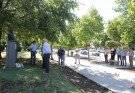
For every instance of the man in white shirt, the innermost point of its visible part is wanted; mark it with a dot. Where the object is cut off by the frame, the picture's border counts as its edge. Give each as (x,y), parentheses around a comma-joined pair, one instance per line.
(33,49)
(77,55)
(46,54)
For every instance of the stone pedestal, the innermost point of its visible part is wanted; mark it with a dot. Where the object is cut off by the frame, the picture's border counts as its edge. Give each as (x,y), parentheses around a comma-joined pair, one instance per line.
(11,54)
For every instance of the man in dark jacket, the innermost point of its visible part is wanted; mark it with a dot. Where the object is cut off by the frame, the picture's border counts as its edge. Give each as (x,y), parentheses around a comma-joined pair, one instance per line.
(61,56)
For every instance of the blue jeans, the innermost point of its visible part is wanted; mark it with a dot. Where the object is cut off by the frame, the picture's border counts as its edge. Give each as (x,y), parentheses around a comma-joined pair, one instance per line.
(61,60)
(124,62)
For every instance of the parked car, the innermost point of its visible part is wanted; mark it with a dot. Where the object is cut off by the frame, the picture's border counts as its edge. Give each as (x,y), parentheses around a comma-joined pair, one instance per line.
(84,52)
(94,52)
(101,50)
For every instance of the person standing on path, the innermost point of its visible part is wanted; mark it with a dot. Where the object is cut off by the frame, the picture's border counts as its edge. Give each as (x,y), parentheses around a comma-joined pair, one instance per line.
(131,55)
(46,54)
(118,51)
(77,55)
(113,52)
(61,56)
(106,55)
(123,56)
(33,49)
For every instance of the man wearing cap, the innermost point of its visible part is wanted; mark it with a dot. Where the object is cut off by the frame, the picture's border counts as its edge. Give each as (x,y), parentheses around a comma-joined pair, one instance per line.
(46,54)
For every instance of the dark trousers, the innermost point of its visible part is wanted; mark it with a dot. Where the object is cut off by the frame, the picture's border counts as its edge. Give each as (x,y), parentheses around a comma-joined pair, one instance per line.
(46,62)
(119,58)
(33,57)
(43,62)
(106,58)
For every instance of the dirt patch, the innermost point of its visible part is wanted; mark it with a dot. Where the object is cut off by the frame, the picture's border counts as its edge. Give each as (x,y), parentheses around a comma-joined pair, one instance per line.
(86,85)
(128,69)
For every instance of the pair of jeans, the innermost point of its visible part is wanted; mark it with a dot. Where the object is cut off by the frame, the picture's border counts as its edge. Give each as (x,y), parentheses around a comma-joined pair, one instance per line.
(61,60)
(124,62)
(33,57)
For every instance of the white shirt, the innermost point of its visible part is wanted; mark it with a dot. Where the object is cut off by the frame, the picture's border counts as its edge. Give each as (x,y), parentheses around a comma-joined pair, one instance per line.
(33,47)
(77,50)
(46,48)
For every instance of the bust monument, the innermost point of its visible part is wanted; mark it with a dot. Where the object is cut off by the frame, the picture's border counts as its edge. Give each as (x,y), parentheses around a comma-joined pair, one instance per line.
(10,35)
(11,50)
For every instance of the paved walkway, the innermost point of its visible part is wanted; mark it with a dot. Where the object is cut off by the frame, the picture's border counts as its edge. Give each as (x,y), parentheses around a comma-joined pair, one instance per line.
(108,76)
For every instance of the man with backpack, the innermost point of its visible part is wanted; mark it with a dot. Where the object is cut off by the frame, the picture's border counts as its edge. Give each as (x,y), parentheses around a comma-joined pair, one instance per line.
(61,56)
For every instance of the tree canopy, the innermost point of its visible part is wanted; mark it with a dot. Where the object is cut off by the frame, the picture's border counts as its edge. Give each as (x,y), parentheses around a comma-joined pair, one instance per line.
(121,29)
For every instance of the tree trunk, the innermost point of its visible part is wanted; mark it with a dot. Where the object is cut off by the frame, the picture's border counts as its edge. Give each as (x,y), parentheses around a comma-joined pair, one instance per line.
(88,55)
(68,53)
(0,38)
(88,48)
(1,2)
(0,55)
(52,52)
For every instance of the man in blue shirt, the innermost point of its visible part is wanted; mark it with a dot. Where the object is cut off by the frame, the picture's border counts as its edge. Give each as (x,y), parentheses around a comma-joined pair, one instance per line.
(118,51)
(33,49)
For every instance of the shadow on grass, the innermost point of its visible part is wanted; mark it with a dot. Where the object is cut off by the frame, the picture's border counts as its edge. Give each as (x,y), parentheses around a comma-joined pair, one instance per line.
(31,79)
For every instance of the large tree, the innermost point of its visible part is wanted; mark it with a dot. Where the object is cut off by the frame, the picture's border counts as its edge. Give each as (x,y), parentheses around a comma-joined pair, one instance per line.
(89,27)
(114,29)
(127,9)
(17,14)
(32,19)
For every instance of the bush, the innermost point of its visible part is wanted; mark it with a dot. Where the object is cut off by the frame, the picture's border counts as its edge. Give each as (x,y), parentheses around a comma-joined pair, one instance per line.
(2,47)
(19,47)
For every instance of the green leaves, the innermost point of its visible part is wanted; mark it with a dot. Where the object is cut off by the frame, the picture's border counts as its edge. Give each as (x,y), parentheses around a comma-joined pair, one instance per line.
(37,18)
(88,28)
(121,29)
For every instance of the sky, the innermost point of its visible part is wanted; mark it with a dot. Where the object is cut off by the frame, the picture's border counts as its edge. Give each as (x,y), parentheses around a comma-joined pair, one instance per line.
(104,7)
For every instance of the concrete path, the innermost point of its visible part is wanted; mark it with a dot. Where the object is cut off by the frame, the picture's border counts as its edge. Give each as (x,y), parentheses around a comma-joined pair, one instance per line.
(108,76)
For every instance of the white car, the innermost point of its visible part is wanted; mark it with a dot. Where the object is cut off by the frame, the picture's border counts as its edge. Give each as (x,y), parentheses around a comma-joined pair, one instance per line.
(84,52)
(94,52)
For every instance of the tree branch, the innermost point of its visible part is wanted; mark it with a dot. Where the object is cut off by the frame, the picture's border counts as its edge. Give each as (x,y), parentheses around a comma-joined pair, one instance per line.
(7,3)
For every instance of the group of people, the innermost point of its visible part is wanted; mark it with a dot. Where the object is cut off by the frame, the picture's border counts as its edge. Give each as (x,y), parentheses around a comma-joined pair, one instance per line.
(46,51)
(61,56)
(121,55)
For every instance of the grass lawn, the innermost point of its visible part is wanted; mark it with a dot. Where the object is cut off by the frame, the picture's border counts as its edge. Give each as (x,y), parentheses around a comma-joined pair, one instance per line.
(31,79)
